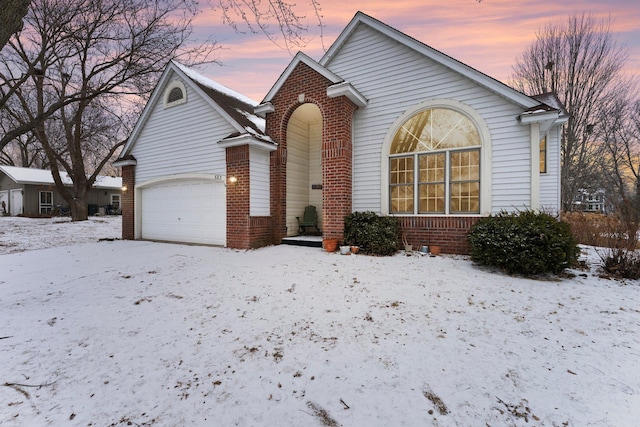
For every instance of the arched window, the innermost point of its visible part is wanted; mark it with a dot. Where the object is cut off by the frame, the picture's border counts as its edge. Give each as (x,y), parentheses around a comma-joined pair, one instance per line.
(175,94)
(434,164)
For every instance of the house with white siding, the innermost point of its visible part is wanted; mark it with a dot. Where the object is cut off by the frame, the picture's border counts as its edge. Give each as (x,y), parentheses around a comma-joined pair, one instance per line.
(382,122)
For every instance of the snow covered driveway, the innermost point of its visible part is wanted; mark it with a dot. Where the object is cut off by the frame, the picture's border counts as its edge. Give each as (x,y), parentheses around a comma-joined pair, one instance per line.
(117,333)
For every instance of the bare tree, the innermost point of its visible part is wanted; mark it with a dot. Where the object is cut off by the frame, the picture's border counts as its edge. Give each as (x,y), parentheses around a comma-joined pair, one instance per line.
(74,69)
(581,62)
(11,14)
(619,136)
(278,20)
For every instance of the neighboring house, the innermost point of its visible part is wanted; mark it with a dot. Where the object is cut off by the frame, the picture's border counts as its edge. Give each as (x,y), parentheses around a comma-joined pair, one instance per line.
(26,191)
(592,200)
(381,123)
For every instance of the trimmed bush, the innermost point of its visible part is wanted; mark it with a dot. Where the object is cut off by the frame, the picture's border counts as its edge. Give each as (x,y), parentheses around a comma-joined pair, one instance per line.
(376,235)
(524,242)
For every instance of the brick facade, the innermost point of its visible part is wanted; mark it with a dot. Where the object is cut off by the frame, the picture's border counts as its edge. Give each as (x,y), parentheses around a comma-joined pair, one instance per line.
(448,232)
(128,201)
(305,85)
(238,225)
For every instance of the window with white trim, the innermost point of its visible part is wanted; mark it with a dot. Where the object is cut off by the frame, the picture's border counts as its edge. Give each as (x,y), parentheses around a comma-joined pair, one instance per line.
(543,155)
(46,202)
(175,94)
(434,164)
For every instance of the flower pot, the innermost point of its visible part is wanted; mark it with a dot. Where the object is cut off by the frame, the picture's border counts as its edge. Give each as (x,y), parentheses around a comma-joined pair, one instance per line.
(355,249)
(330,245)
(434,249)
(345,250)
(408,248)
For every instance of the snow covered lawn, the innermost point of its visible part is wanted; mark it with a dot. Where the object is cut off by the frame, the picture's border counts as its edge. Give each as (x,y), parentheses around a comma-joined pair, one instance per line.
(115,333)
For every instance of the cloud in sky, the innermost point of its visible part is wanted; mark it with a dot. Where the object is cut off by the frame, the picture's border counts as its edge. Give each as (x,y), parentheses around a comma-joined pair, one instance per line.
(487,36)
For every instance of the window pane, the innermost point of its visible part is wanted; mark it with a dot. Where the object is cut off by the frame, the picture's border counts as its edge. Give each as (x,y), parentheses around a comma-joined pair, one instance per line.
(465,166)
(401,184)
(465,197)
(432,168)
(435,129)
(431,198)
(402,199)
(401,170)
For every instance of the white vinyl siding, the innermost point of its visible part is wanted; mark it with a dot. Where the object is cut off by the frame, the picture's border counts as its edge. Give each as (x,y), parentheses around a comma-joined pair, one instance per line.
(259,182)
(394,78)
(163,146)
(315,167)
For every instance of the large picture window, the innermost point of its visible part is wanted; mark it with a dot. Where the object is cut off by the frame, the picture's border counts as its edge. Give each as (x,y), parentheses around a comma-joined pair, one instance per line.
(434,164)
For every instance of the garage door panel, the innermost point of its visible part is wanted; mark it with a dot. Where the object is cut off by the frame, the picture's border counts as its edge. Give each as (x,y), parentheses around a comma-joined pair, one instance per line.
(185,211)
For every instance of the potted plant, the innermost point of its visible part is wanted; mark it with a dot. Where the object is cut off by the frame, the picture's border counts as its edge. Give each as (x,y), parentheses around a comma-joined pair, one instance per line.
(330,245)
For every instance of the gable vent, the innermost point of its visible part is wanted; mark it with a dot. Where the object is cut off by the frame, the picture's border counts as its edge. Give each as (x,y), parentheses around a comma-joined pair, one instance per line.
(175,95)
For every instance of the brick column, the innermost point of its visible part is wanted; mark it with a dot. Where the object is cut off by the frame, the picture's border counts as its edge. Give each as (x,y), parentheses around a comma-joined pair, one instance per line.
(337,166)
(238,200)
(128,202)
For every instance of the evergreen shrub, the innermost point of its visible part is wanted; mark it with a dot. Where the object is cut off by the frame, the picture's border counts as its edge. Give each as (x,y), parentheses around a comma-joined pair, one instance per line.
(525,242)
(376,235)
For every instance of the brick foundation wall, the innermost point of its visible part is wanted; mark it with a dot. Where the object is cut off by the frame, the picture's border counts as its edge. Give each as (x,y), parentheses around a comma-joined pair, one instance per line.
(337,114)
(127,202)
(450,233)
(260,231)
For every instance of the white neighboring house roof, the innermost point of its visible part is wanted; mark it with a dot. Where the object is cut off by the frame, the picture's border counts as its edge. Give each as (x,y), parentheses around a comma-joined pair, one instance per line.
(236,108)
(44,177)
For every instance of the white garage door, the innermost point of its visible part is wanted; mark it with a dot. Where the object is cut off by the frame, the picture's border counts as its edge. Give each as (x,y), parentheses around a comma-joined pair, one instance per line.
(188,211)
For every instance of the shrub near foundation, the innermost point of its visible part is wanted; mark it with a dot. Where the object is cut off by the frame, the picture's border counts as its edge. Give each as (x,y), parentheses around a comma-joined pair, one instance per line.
(375,235)
(524,242)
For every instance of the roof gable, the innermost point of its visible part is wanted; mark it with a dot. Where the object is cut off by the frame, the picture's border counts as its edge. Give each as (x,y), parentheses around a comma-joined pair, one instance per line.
(478,77)
(300,58)
(235,108)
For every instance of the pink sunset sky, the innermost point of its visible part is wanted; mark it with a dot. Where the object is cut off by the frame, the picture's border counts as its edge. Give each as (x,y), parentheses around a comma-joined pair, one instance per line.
(488,36)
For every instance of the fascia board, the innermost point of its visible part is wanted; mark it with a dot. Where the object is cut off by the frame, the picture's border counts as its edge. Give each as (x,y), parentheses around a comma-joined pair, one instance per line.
(346,89)
(247,139)
(538,117)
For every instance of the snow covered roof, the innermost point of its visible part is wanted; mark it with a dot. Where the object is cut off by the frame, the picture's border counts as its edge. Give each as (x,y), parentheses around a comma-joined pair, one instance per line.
(236,108)
(239,107)
(551,100)
(42,176)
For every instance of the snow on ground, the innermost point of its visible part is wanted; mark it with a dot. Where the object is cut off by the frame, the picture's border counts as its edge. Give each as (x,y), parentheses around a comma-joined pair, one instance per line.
(19,234)
(115,333)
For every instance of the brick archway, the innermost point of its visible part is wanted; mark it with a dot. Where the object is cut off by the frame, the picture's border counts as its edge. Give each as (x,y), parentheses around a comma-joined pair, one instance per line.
(304,85)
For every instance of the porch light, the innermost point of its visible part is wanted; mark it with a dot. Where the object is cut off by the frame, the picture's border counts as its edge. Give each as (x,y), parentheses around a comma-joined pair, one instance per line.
(124,188)
(233,180)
